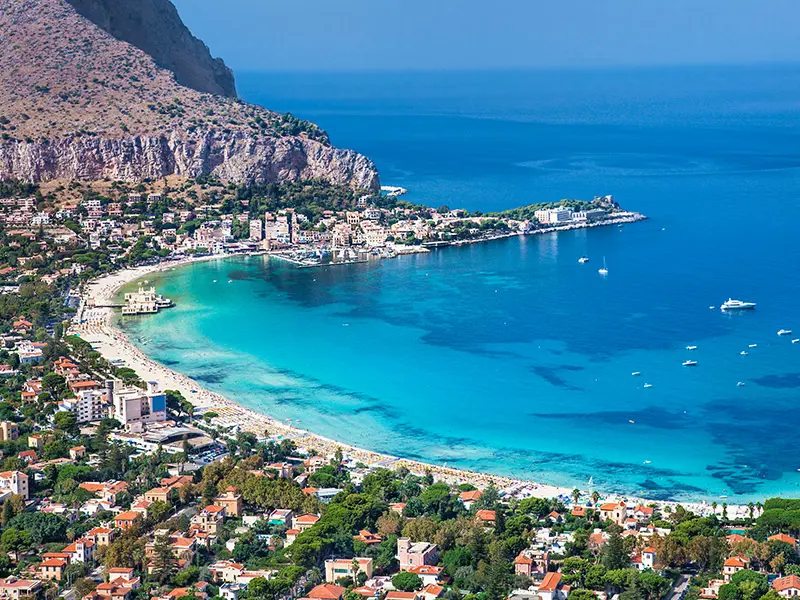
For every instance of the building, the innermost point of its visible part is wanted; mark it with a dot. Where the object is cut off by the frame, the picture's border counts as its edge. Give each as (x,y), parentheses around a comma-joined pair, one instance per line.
(210,519)
(256,230)
(280,516)
(552,588)
(782,537)
(614,511)
(553,216)
(486,517)
(136,408)
(88,405)
(327,591)
(304,522)
(787,586)
(128,519)
(15,589)
(14,482)
(81,550)
(52,568)
(411,555)
(336,568)
(430,574)
(102,536)
(469,498)
(733,565)
(231,501)
(77,452)
(8,431)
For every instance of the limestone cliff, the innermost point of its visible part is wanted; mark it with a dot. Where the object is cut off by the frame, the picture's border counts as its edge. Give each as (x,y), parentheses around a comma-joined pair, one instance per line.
(79,103)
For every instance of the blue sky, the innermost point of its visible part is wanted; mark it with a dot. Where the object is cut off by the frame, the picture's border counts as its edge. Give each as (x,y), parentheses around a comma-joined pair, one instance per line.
(465,34)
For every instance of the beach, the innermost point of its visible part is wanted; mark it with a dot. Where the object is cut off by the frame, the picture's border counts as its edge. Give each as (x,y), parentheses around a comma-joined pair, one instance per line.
(97,327)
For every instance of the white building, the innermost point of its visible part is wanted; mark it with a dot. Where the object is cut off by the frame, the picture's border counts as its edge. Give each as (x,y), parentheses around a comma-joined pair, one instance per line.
(14,482)
(553,215)
(87,406)
(134,407)
(256,230)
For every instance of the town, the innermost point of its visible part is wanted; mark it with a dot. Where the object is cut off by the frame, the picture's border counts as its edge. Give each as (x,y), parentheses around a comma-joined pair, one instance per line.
(116,489)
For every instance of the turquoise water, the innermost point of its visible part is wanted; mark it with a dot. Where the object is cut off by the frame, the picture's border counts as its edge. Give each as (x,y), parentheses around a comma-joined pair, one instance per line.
(509,356)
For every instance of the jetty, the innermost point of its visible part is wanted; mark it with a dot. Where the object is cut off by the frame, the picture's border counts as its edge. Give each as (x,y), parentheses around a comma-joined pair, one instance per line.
(144,301)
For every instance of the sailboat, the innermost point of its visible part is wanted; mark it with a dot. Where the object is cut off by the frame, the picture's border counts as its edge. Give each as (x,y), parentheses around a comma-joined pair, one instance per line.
(604,270)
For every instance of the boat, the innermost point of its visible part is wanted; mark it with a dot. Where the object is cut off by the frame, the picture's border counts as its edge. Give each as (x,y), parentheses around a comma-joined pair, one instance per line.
(784,332)
(752,345)
(636,373)
(731,304)
(711,307)
(690,363)
(743,352)
(583,259)
(648,385)
(631,421)
(795,340)
(740,384)
(604,270)
(691,347)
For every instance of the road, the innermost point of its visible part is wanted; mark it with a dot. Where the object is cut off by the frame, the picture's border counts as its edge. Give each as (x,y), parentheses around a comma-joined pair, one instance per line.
(680,588)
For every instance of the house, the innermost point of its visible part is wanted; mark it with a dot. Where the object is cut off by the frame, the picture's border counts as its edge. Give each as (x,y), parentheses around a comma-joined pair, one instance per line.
(231,501)
(643,513)
(210,519)
(102,536)
(36,441)
(552,588)
(52,568)
(733,565)
(395,595)
(782,537)
(430,574)
(81,550)
(432,591)
(8,431)
(280,516)
(159,494)
(411,555)
(77,452)
(225,571)
(523,565)
(555,517)
(231,591)
(486,517)
(15,589)
(397,507)
(614,511)
(646,559)
(578,511)
(27,456)
(336,568)
(712,591)
(304,522)
(787,586)
(469,498)
(14,482)
(128,519)
(368,537)
(327,591)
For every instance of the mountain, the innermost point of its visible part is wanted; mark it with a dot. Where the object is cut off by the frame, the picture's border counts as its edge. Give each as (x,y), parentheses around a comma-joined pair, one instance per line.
(155,27)
(80,101)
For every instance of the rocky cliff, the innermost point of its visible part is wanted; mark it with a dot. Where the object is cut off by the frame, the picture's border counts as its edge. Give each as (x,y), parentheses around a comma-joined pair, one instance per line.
(155,27)
(76,102)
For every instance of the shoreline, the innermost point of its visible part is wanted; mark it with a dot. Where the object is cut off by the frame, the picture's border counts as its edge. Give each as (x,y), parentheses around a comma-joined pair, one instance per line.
(112,343)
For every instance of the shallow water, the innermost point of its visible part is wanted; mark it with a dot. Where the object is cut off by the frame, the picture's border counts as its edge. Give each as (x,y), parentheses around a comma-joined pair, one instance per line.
(510,356)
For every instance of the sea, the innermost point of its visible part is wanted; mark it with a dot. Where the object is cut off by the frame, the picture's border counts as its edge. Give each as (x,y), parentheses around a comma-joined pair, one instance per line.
(510,357)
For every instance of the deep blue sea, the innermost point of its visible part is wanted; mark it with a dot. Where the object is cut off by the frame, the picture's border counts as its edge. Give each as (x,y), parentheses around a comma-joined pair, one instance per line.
(510,357)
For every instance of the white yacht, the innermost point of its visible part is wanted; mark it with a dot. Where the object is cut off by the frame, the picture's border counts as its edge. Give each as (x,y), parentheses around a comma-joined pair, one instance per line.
(795,340)
(752,345)
(690,363)
(636,373)
(583,259)
(604,270)
(648,385)
(785,332)
(743,352)
(731,304)
(740,384)
(691,347)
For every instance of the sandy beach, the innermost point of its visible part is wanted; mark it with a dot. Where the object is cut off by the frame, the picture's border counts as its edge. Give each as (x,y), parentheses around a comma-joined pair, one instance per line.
(95,325)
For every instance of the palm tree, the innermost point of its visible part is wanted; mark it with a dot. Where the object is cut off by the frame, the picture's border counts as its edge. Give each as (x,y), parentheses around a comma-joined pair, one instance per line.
(595,496)
(724,510)
(714,507)
(750,509)
(576,494)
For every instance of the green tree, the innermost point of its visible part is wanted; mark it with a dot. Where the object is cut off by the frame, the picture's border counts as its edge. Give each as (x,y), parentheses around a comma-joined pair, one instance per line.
(15,541)
(165,564)
(407,582)
(613,555)
(66,422)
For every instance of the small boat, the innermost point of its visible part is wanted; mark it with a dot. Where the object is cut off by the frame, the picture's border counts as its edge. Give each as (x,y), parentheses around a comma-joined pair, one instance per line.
(648,385)
(647,462)
(691,347)
(631,421)
(740,384)
(752,345)
(743,352)
(711,307)
(731,304)
(784,332)
(636,373)
(583,259)
(690,363)
(604,270)
(795,340)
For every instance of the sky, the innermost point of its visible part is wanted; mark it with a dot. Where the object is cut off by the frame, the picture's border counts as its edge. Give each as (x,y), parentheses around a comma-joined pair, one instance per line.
(356,35)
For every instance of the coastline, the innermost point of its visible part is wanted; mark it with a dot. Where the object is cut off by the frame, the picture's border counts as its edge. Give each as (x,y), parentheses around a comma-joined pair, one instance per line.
(113,343)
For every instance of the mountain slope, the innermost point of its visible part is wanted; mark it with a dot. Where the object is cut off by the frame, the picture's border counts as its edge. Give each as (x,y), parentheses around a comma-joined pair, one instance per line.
(78,103)
(155,27)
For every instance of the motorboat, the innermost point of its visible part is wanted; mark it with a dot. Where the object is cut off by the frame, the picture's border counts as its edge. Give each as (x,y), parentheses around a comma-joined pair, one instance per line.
(690,363)
(795,340)
(583,259)
(740,384)
(784,332)
(648,385)
(743,353)
(691,347)
(752,345)
(604,270)
(636,373)
(731,304)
